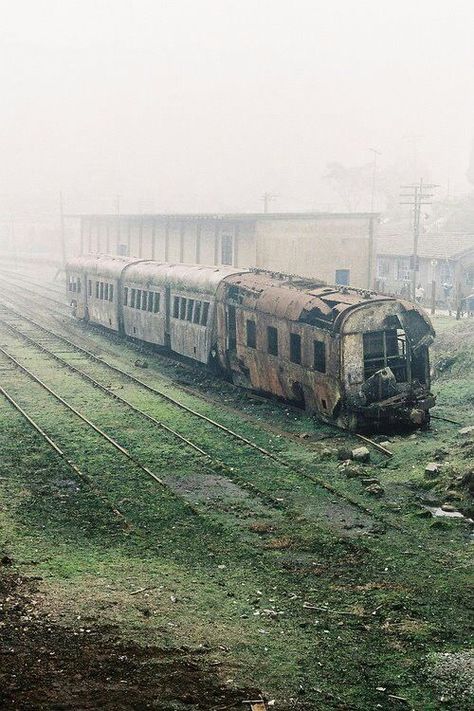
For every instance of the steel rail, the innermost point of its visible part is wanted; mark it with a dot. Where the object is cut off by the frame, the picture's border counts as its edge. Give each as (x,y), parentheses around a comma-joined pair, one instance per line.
(310,477)
(216,465)
(363,438)
(82,417)
(74,468)
(42,296)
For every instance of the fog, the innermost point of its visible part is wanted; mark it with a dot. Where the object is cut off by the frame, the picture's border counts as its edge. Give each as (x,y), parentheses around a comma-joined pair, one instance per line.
(200,105)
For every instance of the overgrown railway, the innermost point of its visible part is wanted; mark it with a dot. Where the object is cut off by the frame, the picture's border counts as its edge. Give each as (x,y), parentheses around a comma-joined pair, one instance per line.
(218,445)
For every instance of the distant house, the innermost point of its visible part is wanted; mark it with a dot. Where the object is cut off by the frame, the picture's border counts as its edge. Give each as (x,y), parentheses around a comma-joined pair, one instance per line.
(443,258)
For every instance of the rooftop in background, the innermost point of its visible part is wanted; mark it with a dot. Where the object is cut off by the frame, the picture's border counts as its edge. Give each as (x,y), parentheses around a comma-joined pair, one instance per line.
(430,246)
(232,215)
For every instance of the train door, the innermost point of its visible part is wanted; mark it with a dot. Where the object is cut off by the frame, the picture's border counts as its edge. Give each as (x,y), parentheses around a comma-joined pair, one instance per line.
(231,330)
(168,317)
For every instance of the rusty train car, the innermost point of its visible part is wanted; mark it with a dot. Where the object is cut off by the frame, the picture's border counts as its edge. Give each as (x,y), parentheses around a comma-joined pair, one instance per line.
(357,359)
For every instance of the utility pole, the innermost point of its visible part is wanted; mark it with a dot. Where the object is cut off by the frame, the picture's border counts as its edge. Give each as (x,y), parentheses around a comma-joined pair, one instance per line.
(267,198)
(419,194)
(374,176)
(62,230)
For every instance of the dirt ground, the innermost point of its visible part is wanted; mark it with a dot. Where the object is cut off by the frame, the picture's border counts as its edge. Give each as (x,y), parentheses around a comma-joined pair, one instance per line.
(47,666)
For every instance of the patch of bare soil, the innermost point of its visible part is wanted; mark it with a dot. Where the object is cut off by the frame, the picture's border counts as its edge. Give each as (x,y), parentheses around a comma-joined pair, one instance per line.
(47,666)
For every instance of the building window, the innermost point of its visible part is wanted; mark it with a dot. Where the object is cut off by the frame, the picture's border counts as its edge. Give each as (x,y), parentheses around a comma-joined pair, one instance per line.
(319,362)
(272,340)
(227,249)
(383,268)
(342,276)
(251,334)
(403,269)
(295,348)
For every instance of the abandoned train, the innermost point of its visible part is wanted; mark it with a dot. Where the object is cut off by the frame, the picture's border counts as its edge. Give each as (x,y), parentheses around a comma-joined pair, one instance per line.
(357,359)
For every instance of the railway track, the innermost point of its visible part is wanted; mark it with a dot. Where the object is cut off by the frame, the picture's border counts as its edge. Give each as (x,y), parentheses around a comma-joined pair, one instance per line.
(263,452)
(275,502)
(334,432)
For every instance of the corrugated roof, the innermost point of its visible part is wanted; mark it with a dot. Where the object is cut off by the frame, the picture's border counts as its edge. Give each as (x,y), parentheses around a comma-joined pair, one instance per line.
(283,297)
(430,246)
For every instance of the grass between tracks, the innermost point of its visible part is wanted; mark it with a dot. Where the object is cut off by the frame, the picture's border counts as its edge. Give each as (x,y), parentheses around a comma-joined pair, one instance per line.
(233,572)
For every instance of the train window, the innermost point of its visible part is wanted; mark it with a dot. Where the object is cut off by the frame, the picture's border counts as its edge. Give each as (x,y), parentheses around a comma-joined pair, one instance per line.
(251,334)
(78,285)
(132,298)
(319,362)
(144,300)
(111,292)
(156,302)
(125,296)
(176,307)
(197,312)
(205,313)
(138,299)
(189,311)
(101,290)
(106,292)
(97,290)
(90,287)
(150,301)
(182,308)
(272,340)
(295,348)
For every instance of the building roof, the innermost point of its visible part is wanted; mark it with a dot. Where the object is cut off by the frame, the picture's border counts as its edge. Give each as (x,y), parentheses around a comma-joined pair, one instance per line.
(447,245)
(224,216)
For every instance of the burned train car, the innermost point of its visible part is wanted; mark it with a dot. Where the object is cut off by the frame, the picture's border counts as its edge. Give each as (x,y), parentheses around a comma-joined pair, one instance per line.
(357,359)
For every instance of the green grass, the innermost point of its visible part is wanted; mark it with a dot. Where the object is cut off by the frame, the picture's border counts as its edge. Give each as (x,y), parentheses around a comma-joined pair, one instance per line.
(392,598)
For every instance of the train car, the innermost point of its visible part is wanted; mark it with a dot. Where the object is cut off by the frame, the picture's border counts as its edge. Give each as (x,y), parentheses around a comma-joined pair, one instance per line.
(355,358)
(172,305)
(93,285)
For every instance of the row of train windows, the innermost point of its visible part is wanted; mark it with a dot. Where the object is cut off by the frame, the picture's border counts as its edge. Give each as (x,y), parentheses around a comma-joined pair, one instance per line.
(142,299)
(103,290)
(319,347)
(191,310)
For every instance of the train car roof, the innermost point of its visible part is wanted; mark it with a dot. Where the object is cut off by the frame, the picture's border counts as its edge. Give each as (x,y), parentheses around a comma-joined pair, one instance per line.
(188,277)
(107,265)
(300,299)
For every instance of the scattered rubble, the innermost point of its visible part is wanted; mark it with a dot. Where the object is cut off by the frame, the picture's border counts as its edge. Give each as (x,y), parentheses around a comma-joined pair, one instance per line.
(374,490)
(432,470)
(360,454)
(464,431)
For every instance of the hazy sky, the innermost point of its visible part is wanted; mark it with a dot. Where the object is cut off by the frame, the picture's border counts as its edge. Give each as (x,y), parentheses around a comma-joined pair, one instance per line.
(202,105)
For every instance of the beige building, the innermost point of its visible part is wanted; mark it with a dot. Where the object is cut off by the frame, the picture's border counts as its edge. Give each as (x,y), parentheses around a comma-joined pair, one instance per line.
(334,247)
